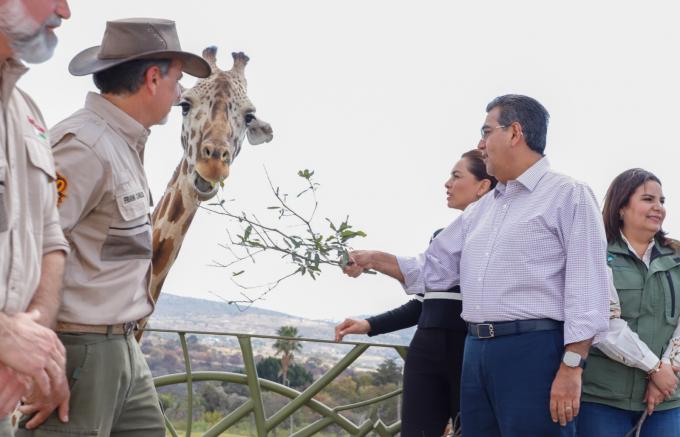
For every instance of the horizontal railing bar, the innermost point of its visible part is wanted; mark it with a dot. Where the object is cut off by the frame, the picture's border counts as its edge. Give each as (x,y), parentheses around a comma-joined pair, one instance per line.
(273,337)
(369,401)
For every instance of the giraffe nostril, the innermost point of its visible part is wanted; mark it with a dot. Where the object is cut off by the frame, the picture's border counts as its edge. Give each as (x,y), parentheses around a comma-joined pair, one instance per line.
(206,152)
(224,154)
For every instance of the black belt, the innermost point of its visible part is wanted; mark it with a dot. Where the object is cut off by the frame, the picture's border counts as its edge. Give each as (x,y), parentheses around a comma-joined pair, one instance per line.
(496,329)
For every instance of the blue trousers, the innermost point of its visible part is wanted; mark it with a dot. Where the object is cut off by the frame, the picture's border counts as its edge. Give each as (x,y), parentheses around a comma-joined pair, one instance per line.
(505,389)
(597,420)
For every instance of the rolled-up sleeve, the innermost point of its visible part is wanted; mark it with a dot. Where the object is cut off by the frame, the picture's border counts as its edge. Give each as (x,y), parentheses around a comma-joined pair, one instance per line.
(586,290)
(53,236)
(438,268)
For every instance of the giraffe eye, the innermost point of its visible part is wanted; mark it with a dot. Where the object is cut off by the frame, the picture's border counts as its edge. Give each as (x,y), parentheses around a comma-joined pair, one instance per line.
(249,118)
(186,107)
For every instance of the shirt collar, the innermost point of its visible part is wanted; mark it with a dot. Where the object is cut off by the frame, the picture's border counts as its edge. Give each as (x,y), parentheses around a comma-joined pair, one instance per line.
(529,179)
(647,256)
(10,72)
(127,127)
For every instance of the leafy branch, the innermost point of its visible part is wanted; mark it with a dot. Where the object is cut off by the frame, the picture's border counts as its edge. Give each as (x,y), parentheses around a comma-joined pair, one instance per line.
(307,251)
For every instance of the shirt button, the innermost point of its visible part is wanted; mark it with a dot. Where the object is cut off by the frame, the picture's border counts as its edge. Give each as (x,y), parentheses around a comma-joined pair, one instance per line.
(479,279)
(486,254)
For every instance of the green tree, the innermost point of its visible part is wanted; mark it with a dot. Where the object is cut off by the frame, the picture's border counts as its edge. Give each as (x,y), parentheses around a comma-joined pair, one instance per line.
(214,398)
(287,349)
(388,372)
(269,368)
(298,376)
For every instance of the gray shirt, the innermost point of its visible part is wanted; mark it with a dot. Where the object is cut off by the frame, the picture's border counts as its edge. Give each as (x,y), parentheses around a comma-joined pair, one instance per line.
(104,214)
(29,222)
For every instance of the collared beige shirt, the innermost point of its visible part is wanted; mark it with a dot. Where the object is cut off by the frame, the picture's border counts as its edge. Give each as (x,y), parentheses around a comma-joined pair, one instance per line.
(104,213)
(29,222)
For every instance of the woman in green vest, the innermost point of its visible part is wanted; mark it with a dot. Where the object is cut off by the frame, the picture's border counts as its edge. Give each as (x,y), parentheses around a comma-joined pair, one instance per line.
(633,368)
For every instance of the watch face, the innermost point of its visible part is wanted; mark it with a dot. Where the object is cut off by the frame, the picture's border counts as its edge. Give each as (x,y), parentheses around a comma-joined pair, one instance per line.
(571,359)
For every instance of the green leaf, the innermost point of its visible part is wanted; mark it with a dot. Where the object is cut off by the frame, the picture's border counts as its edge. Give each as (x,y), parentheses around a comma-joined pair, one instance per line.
(345,258)
(237,273)
(246,234)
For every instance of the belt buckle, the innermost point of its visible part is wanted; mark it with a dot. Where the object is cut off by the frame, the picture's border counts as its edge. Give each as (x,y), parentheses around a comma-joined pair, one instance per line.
(129,327)
(489,328)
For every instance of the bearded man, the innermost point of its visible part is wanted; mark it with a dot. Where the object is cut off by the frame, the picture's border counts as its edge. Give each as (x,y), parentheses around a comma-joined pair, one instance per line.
(32,243)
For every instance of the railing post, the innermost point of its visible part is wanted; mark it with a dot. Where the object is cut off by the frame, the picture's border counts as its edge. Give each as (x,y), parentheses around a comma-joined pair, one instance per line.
(190,388)
(253,385)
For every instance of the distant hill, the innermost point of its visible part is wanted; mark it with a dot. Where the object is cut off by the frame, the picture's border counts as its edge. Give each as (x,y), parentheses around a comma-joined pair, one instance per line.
(171,305)
(188,313)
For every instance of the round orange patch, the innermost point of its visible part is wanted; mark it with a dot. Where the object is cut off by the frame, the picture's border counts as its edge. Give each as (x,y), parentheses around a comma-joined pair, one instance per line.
(62,186)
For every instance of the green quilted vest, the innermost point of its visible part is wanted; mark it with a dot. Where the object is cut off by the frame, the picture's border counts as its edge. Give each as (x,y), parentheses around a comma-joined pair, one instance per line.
(650,303)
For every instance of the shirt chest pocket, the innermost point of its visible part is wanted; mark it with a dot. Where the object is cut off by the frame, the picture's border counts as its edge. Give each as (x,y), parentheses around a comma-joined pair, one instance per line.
(629,284)
(670,277)
(129,235)
(40,157)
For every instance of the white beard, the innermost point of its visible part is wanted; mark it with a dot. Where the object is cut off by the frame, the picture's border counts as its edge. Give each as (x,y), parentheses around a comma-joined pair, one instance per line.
(31,41)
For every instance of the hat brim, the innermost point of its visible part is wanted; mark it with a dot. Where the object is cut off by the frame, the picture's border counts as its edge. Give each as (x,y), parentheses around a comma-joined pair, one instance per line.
(87,62)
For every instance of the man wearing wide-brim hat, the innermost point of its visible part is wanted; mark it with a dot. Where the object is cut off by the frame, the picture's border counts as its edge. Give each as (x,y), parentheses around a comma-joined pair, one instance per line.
(104,206)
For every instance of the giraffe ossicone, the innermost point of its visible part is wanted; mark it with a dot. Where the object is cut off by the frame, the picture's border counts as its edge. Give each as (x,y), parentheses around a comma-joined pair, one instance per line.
(217,116)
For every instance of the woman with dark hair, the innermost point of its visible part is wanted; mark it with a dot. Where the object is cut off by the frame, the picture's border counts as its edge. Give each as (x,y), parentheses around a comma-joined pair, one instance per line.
(432,368)
(632,370)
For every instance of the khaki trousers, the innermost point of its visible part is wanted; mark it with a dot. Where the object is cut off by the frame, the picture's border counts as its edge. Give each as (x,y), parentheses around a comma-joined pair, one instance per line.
(112,392)
(5,427)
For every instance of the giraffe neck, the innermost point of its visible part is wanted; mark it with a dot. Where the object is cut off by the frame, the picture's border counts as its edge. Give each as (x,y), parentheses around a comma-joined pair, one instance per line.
(171,220)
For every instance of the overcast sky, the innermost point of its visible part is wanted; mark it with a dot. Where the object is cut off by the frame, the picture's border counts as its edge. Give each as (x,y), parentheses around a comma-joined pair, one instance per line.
(382,97)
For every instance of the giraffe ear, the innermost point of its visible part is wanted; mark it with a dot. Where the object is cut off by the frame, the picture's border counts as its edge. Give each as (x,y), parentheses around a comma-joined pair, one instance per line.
(259,132)
(210,55)
(240,61)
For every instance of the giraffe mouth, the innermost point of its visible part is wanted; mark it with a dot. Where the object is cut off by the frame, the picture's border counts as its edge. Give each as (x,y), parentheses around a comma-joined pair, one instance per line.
(203,188)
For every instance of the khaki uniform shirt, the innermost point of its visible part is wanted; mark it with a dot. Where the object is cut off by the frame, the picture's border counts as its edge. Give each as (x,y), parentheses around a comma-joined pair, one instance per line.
(104,213)
(29,222)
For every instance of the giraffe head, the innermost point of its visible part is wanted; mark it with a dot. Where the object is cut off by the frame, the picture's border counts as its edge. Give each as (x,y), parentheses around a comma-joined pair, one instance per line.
(217,116)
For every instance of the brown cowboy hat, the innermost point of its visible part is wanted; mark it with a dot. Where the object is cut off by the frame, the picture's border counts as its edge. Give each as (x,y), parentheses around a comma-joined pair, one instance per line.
(137,38)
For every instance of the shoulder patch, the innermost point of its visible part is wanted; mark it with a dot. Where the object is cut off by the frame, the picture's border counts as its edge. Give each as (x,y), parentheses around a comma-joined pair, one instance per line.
(62,188)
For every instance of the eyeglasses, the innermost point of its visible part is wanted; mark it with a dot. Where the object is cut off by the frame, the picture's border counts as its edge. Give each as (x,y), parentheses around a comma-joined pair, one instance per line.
(486,131)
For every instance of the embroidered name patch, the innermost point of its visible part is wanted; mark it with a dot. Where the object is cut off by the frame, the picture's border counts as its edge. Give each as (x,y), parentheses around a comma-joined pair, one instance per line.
(62,187)
(132,197)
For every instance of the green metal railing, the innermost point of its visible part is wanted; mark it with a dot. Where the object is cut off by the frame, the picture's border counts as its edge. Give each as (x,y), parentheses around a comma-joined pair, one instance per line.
(298,400)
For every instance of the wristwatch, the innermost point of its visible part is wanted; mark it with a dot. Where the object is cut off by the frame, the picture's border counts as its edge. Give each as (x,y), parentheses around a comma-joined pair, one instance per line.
(573,360)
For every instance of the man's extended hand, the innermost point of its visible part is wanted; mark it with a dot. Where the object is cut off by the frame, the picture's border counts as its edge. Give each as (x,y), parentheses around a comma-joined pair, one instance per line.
(565,394)
(42,406)
(351,326)
(359,260)
(32,349)
(13,386)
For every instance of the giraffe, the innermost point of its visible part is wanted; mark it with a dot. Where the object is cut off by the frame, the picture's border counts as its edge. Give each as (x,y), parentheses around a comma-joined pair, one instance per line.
(217,115)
